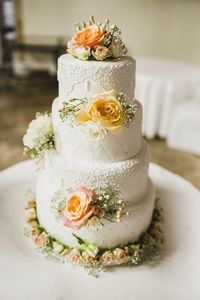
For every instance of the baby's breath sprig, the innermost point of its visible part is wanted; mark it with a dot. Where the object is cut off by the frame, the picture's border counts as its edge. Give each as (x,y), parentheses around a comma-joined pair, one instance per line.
(70,109)
(129,107)
(57,204)
(109,203)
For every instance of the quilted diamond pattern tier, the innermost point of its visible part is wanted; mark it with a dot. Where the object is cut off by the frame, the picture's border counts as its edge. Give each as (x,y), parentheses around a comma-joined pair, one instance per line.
(73,143)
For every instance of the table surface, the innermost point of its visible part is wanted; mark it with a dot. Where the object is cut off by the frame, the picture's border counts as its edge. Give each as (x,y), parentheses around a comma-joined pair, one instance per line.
(25,274)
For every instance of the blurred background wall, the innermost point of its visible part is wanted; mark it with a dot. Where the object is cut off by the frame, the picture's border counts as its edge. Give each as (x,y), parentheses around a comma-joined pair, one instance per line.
(159,28)
(163,36)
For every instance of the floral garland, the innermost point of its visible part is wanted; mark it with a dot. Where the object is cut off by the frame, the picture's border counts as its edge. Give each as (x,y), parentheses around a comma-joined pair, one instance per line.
(81,206)
(146,250)
(96,41)
(39,136)
(102,113)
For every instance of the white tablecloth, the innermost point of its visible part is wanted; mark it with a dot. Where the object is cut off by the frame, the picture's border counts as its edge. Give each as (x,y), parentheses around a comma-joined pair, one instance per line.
(161,85)
(25,274)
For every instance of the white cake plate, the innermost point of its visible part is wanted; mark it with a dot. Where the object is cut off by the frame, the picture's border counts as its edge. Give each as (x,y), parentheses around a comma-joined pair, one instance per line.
(26,274)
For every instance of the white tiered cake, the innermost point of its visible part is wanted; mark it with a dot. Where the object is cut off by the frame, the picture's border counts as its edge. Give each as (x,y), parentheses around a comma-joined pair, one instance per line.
(94,197)
(121,158)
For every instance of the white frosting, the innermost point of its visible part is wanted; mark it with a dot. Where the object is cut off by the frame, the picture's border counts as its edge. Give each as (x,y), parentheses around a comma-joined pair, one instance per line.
(75,77)
(131,175)
(120,158)
(73,143)
(112,234)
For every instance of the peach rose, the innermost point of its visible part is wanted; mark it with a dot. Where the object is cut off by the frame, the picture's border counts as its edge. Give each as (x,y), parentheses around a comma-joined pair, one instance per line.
(120,255)
(41,240)
(75,256)
(101,52)
(107,258)
(88,37)
(105,110)
(78,208)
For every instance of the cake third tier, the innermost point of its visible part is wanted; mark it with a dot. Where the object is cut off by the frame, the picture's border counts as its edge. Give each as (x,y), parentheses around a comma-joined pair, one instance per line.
(131,176)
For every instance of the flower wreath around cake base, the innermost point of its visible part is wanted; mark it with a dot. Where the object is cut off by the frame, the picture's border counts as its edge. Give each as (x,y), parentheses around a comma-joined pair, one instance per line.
(144,251)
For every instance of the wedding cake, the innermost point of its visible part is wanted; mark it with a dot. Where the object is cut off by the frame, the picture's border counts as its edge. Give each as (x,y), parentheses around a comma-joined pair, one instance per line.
(94,200)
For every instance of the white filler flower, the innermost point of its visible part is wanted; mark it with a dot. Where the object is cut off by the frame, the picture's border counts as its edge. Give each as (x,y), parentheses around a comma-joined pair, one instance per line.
(94,131)
(39,131)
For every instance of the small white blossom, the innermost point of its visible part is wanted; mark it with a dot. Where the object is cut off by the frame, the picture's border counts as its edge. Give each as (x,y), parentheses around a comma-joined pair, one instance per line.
(117,49)
(57,247)
(39,135)
(94,131)
(94,223)
(82,53)
(31,213)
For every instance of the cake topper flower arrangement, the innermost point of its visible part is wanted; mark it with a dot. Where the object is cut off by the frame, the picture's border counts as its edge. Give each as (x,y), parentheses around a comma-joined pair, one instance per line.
(96,41)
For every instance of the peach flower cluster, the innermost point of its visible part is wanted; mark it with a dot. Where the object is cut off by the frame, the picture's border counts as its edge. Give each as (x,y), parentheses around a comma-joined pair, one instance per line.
(104,110)
(83,206)
(94,41)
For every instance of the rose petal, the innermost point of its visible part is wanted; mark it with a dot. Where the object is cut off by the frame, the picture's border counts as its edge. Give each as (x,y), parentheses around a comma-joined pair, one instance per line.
(76,225)
(85,190)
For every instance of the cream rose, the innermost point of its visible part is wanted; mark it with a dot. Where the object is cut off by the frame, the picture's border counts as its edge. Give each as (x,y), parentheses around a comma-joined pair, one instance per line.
(101,52)
(105,110)
(82,53)
(120,255)
(75,256)
(78,208)
(107,258)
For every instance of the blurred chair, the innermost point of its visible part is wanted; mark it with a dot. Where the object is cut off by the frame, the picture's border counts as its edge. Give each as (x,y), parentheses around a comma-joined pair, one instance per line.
(37,53)
(184,129)
(162,85)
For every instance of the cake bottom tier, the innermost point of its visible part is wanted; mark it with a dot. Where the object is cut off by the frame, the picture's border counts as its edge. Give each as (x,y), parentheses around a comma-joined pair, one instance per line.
(111,234)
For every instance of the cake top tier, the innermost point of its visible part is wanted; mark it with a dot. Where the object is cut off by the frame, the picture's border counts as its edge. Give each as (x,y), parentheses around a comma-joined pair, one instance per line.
(96,41)
(76,78)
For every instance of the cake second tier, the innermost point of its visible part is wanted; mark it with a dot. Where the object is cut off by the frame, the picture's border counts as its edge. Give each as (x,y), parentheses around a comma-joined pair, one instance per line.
(73,143)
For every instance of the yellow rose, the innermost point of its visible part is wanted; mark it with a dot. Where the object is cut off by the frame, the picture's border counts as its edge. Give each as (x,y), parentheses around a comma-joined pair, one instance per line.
(105,110)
